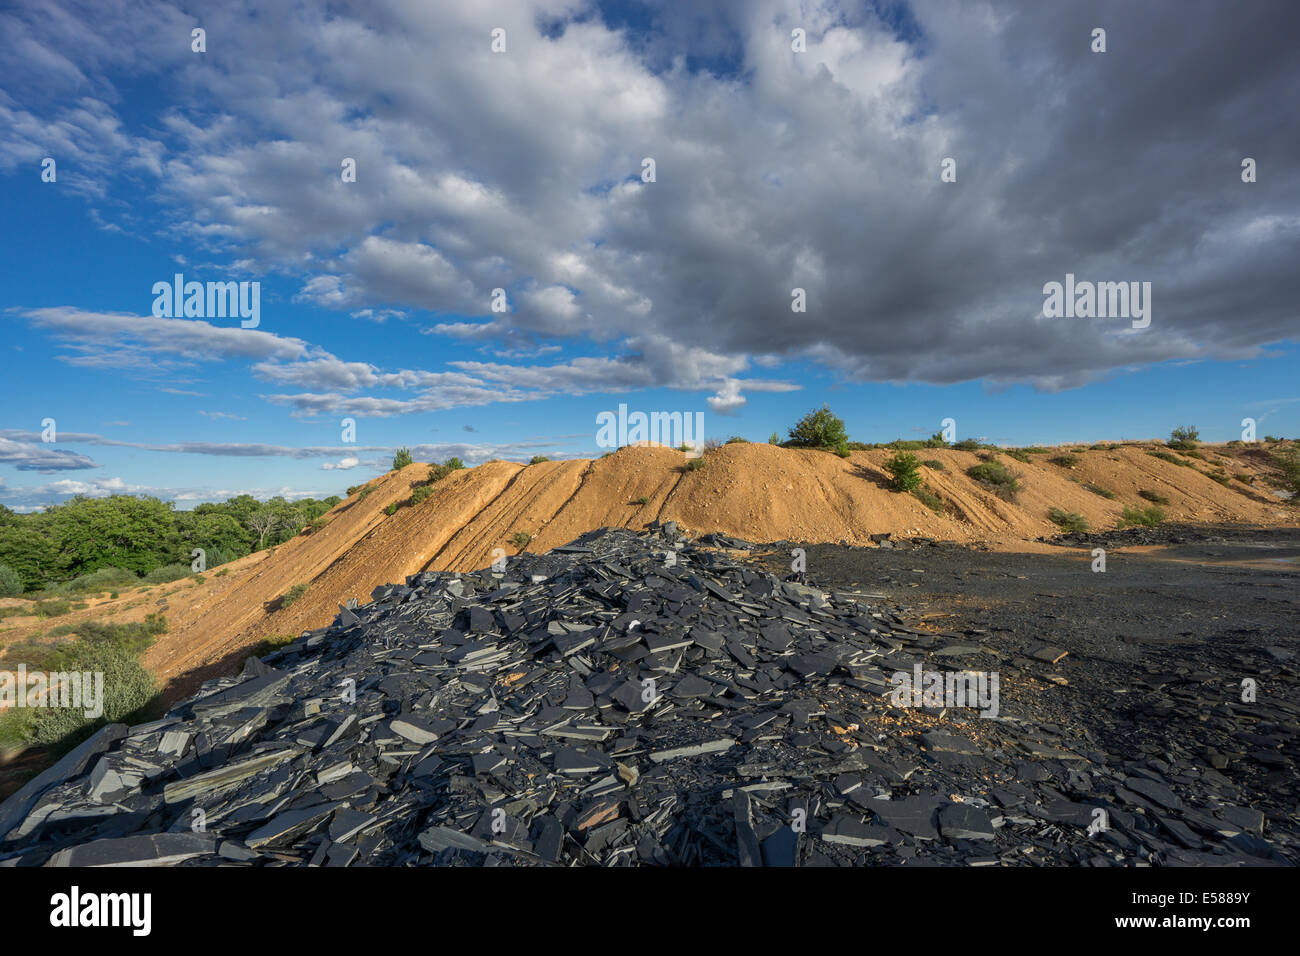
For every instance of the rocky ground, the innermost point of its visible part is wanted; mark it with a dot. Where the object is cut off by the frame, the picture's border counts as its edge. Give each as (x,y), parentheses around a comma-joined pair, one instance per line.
(639,699)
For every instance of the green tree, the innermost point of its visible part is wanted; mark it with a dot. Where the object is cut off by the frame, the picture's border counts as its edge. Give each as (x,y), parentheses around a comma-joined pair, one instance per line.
(820,428)
(27,549)
(122,531)
(905,467)
(220,536)
(401,459)
(11,583)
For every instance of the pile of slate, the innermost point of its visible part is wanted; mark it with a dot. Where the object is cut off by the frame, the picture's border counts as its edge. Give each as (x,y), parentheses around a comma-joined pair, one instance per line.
(629,699)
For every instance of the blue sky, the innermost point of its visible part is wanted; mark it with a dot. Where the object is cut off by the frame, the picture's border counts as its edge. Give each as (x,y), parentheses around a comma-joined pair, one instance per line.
(522,170)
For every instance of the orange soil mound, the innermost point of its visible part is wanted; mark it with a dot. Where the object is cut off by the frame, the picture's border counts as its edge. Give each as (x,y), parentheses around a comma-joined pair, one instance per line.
(757,492)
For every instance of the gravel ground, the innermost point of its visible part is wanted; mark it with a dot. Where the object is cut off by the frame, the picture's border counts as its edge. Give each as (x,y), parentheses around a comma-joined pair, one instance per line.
(1159,644)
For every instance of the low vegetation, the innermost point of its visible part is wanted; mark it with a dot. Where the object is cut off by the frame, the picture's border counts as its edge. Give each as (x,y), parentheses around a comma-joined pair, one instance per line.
(291,596)
(1288,461)
(997,478)
(929,499)
(694,464)
(167,573)
(113,650)
(535,460)
(1068,521)
(1098,490)
(1154,497)
(1064,461)
(521,539)
(401,459)
(905,467)
(439,472)
(1148,517)
(1172,459)
(1183,438)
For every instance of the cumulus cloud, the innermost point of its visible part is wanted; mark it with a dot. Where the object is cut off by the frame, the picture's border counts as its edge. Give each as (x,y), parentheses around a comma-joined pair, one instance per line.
(774,170)
(343,464)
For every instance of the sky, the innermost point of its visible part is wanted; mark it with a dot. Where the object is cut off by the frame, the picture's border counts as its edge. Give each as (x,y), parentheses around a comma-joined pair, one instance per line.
(505,265)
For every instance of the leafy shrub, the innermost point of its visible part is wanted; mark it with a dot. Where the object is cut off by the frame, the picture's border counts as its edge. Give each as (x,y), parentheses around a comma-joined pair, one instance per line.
(537,459)
(775,439)
(11,583)
(365,490)
(1172,459)
(439,472)
(104,579)
(391,509)
(291,596)
(1221,477)
(314,525)
(401,459)
(128,690)
(904,466)
(1065,461)
(929,499)
(820,429)
(737,440)
(1183,437)
(643,500)
(968,444)
(1153,496)
(54,608)
(694,464)
(1067,520)
(933,464)
(112,649)
(1098,490)
(1148,517)
(1019,454)
(995,477)
(521,539)
(419,494)
(168,572)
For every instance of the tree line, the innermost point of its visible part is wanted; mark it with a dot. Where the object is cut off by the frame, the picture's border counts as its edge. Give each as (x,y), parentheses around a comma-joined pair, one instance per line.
(141,534)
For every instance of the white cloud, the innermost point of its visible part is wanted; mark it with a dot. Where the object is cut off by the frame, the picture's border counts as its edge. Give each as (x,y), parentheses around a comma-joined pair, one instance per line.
(343,464)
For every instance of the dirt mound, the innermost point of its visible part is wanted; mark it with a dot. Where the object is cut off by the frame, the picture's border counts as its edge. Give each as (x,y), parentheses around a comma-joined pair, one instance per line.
(757,492)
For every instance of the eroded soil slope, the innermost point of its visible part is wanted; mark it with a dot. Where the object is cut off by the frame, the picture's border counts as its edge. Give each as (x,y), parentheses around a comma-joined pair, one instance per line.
(750,491)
